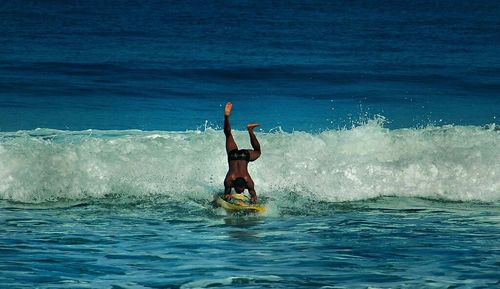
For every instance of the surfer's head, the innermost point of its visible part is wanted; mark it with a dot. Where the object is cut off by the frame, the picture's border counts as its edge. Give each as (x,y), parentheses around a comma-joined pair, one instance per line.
(239,185)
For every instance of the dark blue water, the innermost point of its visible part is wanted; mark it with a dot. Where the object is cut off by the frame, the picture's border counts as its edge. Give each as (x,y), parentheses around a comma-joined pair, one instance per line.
(169,66)
(381,148)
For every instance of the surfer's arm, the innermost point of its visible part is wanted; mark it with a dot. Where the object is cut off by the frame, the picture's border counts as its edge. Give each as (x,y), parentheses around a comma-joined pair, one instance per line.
(227,191)
(253,196)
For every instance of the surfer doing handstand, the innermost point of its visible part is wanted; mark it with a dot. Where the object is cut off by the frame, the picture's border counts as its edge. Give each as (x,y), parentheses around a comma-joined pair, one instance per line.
(237,176)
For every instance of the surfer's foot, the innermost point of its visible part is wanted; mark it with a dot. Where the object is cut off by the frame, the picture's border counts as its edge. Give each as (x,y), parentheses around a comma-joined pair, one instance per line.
(251,126)
(227,110)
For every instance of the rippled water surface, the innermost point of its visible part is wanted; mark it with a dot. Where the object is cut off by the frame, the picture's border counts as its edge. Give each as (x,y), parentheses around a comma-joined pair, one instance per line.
(389,243)
(379,132)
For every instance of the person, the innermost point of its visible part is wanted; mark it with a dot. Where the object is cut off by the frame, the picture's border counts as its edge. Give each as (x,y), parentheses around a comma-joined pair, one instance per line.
(237,176)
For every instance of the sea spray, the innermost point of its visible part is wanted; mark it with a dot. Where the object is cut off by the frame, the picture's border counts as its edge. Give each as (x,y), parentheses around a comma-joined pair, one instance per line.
(457,163)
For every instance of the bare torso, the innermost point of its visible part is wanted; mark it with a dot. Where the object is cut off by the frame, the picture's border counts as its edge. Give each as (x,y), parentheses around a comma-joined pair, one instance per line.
(238,169)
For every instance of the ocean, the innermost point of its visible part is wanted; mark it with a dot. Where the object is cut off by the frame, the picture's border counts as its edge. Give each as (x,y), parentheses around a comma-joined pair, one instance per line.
(380,163)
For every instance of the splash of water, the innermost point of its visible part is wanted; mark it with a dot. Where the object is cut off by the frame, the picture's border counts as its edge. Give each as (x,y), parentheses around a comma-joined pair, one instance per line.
(459,163)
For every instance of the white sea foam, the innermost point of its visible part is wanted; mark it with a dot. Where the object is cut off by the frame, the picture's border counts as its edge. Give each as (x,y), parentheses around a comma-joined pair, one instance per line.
(209,283)
(460,163)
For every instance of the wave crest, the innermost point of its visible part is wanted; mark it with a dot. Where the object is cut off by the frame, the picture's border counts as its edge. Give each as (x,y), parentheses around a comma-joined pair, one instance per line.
(459,163)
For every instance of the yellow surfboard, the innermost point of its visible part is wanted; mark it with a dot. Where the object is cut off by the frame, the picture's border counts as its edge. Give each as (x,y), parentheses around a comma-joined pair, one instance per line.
(239,205)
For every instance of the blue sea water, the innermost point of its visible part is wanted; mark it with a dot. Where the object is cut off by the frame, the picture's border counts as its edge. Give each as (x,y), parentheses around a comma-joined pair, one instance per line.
(381,149)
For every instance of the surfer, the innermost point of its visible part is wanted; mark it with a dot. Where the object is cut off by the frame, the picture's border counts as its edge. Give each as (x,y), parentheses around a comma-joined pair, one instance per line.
(237,176)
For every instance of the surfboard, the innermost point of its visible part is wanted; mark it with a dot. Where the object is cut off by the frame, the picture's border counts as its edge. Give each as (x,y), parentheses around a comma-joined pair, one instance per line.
(239,204)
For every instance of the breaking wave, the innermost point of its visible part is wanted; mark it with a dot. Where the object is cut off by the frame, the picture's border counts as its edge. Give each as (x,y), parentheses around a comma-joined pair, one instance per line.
(456,163)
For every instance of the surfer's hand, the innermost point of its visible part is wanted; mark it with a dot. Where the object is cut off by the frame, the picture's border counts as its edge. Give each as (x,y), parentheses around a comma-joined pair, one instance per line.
(253,200)
(228,197)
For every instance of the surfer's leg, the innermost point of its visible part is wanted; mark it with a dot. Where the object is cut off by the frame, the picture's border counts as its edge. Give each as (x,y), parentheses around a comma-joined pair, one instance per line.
(255,153)
(230,143)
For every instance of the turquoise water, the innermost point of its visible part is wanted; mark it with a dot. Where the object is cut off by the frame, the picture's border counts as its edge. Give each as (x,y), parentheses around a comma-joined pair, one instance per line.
(380,144)
(345,209)
(386,243)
